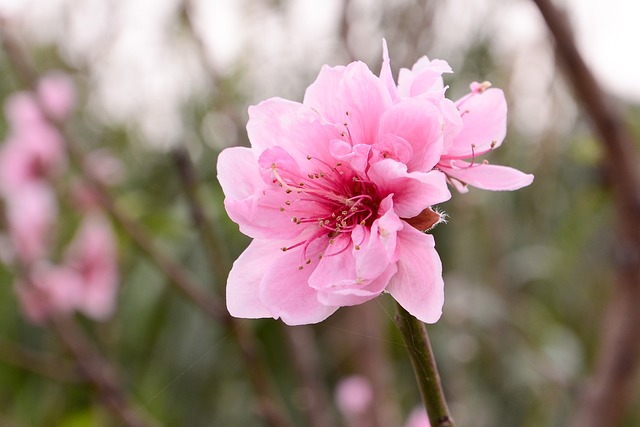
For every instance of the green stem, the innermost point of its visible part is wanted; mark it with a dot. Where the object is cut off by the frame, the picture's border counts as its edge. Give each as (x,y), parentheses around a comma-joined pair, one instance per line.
(415,337)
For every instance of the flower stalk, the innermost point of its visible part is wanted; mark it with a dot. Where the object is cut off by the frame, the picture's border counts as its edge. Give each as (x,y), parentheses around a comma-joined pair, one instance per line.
(415,337)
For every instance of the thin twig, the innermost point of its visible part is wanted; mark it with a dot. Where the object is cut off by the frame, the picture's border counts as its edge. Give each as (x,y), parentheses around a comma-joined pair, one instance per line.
(611,390)
(415,337)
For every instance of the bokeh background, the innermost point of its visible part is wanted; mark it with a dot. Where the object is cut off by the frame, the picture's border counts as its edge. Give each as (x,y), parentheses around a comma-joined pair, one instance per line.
(527,274)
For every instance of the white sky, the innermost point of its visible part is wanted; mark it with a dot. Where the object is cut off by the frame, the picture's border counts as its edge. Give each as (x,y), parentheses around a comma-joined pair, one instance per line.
(142,69)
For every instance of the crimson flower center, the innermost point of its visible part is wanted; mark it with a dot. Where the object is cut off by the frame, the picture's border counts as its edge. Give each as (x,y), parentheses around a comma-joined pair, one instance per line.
(332,199)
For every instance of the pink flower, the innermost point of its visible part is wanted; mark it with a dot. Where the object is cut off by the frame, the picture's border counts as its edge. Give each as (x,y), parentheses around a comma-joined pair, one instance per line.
(473,125)
(328,190)
(337,191)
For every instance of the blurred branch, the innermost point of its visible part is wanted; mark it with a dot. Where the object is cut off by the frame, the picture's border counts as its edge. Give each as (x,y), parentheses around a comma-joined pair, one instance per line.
(608,396)
(416,339)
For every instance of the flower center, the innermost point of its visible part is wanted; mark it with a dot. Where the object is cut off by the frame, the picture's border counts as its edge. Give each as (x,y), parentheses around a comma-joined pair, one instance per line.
(334,200)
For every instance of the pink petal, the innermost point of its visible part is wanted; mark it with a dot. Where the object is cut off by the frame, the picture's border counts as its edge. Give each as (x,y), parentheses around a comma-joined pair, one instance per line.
(412,191)
(300,130)
(364,98)
(320,95)
(485,176)
(418,286)
(353,276)
(385,73)
(484,118)
(238,172)
(452,122)
(420,124)
(243,285)
(424,79)
(249,203)
(285,289)
(357,156)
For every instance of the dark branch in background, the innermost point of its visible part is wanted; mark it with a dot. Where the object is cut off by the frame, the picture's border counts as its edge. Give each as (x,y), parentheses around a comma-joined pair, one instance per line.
(271,409)
(611,389)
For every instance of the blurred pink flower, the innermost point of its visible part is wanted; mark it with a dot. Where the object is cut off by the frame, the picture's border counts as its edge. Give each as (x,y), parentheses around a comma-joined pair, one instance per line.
(49,291)
(34,148)
(354,395)
(56,94)
(86,282)
(418,418)
(92,254)
(31,215)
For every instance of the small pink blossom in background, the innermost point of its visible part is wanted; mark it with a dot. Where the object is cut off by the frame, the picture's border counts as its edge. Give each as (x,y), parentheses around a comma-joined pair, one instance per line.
(50,291)
(418,418)
(31,216)
(56,94)
(354,395)
(87,281)
(92,254)
(337,191)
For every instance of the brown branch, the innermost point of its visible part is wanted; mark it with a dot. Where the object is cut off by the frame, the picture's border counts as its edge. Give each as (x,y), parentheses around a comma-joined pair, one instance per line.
(611,389)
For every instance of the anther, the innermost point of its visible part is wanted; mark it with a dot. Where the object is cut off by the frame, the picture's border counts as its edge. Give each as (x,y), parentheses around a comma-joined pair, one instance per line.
(308,261)
(357,247)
